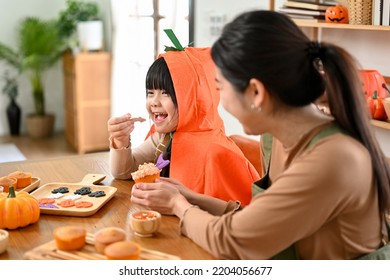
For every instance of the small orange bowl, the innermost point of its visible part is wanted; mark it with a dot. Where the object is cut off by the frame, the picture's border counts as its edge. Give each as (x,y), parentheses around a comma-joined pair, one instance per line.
(145,223)
(7,181)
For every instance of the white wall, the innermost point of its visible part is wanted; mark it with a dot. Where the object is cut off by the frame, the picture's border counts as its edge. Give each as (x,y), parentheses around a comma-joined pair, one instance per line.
(204,10)
(11,12)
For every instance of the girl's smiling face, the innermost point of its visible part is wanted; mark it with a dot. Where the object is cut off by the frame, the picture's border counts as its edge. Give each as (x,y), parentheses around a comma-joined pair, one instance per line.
(162,110)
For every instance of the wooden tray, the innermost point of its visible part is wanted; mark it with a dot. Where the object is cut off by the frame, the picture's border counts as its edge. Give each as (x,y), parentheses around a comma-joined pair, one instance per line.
(49,251)
(88,181)
(34,184)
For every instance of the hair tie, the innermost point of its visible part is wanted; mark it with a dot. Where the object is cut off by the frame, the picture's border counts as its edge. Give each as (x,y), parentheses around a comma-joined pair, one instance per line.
(314,49)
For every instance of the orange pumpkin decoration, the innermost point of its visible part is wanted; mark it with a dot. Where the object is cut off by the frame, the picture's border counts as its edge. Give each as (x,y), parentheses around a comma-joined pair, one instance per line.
(373,81)
(376,108)
(336,14)
(18,209)
(375,91)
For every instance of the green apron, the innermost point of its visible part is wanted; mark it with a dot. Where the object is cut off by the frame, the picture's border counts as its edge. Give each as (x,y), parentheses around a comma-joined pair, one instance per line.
(261,185)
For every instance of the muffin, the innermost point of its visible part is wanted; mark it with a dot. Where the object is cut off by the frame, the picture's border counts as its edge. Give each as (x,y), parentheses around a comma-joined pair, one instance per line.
(23,178)
(146,173)
(107,236)
(123,250)
(7,181)
(69,238)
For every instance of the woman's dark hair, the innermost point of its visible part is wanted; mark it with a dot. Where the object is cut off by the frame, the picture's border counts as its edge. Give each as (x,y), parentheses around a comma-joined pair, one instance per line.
(159,77)
(269,47)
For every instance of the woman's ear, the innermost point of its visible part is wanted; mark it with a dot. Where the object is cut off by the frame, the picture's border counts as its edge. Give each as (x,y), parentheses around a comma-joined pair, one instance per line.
(256,92)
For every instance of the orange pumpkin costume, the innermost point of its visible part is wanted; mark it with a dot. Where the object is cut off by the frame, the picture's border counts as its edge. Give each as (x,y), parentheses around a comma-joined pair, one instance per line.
(217,166)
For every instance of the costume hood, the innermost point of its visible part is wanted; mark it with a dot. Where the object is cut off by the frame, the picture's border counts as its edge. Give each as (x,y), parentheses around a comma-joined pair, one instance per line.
(203,158)
(193,75)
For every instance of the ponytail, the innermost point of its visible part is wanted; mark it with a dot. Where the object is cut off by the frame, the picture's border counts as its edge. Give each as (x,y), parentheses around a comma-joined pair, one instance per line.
(348,106)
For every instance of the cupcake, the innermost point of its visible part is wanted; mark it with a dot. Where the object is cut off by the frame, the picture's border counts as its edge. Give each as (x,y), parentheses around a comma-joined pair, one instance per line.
(7,181)
(69,238)
(123,250)
(107,236)
(146,173)
(23,178)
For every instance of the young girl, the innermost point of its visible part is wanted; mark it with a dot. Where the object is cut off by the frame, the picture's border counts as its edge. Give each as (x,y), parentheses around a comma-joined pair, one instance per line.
(329,182)
(182,101)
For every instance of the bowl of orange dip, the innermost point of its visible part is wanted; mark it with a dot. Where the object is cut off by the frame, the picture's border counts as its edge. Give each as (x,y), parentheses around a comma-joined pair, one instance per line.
(145,223)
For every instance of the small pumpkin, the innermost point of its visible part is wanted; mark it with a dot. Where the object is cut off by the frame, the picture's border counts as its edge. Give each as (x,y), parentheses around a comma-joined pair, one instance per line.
(18,209)
(376,108)
(336,14)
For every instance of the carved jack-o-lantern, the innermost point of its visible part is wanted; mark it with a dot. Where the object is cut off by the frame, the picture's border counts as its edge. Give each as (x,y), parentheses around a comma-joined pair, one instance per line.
(336,14)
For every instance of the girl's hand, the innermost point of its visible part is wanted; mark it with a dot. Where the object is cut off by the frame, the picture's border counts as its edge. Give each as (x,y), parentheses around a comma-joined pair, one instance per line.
(119,129)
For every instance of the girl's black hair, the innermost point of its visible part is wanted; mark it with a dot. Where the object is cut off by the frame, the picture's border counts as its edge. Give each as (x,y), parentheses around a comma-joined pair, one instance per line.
(270,47)
(159,77)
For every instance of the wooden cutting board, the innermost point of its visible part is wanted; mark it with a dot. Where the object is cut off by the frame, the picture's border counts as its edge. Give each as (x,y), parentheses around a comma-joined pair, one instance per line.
(49,251)
(34,184)
(89,180)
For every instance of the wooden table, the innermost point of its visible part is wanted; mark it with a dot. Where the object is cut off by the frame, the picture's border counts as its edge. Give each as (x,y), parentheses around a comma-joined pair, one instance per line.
(72,169)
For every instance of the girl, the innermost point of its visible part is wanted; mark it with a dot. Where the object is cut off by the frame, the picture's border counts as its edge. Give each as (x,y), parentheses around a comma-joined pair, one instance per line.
(182,101)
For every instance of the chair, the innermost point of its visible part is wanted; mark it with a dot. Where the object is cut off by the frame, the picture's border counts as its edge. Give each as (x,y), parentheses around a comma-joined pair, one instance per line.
(250,149)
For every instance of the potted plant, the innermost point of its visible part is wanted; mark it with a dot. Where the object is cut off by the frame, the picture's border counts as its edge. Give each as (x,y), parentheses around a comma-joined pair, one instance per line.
(81,26)
(10,89)
(38,48)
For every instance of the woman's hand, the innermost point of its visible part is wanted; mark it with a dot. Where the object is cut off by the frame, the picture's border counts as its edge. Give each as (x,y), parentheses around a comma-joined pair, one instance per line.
(119,129)
(163,196)
(186,192)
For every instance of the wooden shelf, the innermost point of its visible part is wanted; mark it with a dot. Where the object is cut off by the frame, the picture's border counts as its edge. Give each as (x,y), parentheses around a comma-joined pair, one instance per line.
(306,23)
(381,124)
(319,25)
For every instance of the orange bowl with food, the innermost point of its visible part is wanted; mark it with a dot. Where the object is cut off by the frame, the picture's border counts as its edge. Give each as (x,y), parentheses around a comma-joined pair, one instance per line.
(7,181)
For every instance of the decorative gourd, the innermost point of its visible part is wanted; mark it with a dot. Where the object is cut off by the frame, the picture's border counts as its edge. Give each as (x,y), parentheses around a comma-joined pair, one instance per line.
(336,14)
(18,209)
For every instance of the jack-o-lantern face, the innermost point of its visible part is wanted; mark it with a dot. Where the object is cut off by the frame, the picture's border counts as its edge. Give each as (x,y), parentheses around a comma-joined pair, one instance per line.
(336,14)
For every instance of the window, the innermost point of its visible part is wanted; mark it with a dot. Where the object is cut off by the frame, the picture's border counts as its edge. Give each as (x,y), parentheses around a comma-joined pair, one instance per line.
(137,39)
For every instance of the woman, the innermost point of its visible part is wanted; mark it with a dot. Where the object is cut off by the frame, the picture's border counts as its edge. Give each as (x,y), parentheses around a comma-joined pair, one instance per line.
(182,102)
(329,181)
